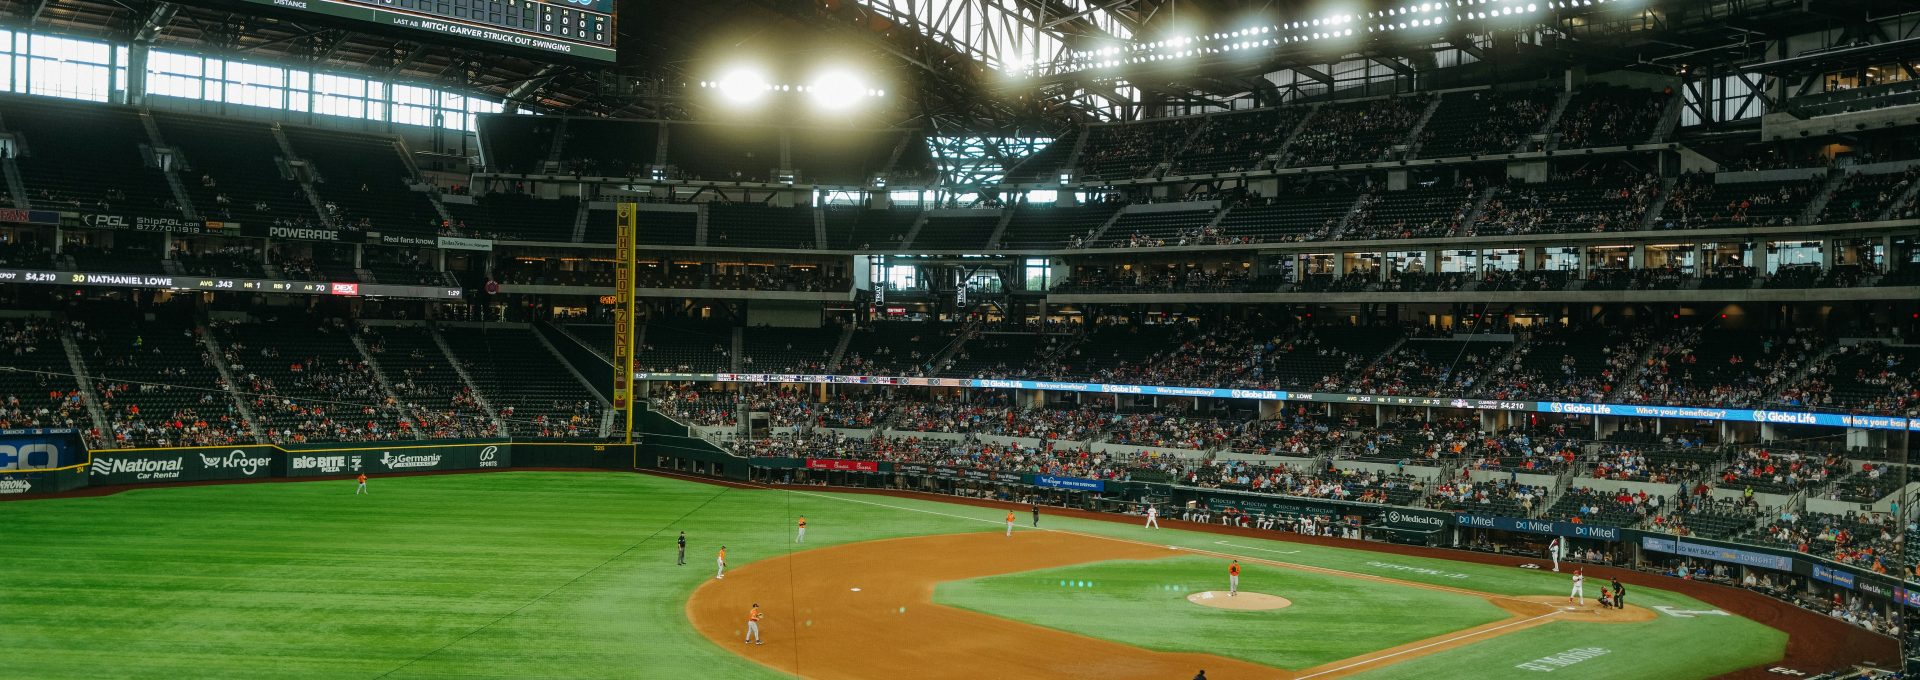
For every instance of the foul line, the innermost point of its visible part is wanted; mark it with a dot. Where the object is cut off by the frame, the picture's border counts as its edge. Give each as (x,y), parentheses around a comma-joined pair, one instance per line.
(1201,551)
(1248,547)
(1436,643)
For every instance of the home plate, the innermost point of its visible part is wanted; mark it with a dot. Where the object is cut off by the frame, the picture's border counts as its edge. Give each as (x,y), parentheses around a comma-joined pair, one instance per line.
(1243,601)
(856,590)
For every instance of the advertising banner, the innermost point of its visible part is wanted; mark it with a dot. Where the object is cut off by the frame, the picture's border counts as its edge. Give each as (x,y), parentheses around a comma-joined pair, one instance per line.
(36,483)
(19,216)
(1836,577)
(1071,483)
(1694,548)
(407,240)
(843,465)
(33,449)
(1416,520)
(301,233)
(411,458)
(181,465)
(1536,526)
(455,243)
(169,225)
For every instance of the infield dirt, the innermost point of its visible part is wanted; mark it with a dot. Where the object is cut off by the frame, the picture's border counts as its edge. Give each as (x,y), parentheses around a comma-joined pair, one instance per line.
(865,610)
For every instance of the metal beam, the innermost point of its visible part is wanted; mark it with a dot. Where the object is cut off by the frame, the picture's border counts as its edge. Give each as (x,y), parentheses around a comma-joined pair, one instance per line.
(156,21)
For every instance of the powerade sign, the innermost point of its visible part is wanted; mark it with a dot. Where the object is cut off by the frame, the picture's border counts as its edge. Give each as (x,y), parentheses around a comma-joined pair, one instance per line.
(1536,526)
(337,462)
(1833,576)
(39,449)
(139,467)
(1716,553)
(1070,483)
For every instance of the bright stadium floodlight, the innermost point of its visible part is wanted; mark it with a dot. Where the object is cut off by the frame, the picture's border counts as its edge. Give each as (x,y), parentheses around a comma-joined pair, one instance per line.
(742,86)
(838,91)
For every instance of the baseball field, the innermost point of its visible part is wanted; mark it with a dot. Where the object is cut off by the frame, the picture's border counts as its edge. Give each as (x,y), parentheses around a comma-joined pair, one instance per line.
(573,575)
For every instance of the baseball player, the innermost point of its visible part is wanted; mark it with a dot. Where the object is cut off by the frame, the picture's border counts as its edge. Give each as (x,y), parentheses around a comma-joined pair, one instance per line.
(1153,517)
(753,624)
(1233,578)
(1553,552)
(1619,595)
(683,548)
(1036,515)
(1579,594)
(1009,522)
(801,536)
(363,486)
(722,560)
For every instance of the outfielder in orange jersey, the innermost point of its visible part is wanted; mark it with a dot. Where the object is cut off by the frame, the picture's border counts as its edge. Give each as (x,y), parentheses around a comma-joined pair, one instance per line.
(722,560)
(1233,578)
(363,486)
(801,537)
(1009,522)
(753,624)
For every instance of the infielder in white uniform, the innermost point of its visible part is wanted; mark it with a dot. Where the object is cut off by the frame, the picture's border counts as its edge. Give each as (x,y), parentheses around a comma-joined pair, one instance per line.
(1579,594)
(1153,517)
(1553,552)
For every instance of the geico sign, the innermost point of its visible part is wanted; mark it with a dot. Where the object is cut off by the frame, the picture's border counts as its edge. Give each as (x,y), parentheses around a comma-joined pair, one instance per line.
(28,456)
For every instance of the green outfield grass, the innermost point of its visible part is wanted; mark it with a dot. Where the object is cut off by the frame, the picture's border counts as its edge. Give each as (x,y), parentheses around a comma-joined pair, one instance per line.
(1143,603)
(549,575)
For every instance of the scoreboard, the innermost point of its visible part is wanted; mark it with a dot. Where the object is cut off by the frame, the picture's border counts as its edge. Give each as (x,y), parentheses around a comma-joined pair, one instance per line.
(577,28)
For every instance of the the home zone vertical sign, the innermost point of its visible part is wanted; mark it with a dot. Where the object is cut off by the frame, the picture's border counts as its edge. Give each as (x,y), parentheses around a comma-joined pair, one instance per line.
(623,241)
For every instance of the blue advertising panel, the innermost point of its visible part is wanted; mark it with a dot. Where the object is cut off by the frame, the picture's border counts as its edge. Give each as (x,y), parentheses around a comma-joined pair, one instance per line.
(1836,577)
(1716,553)
(1073,483)
(1538,526)
(23,450)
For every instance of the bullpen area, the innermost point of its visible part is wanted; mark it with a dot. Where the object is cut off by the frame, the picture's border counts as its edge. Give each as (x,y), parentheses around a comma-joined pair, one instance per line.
(576,575)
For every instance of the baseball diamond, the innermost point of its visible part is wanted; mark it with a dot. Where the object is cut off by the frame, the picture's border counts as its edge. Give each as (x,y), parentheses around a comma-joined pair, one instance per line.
(574,574)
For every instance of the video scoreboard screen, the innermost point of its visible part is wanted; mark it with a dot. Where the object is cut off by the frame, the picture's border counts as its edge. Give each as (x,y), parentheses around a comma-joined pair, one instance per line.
(578,28)
(218,284)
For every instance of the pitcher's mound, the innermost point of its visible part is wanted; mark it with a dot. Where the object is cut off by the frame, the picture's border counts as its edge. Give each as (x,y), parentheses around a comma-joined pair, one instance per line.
(1244,601)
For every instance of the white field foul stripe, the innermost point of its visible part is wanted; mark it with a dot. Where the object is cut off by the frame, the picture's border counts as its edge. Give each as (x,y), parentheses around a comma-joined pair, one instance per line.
(1198,551)
(1429,645)
(1248,547)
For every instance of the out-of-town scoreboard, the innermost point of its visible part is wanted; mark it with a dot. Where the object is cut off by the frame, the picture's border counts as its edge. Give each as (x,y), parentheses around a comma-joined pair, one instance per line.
(577,28)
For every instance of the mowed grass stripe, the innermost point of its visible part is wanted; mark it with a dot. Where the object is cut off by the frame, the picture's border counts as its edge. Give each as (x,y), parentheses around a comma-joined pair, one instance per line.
(304,580)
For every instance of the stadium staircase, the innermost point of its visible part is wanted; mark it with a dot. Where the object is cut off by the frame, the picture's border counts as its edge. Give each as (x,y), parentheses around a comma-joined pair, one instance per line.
(737,347)
(1651,220)
(473,387)
(168,170)
(571,369)
(1818,203)
(552,162)
(1346,218)
(305,178)
(1639,366)
(819,228)
(1412,140)
(913,232)
(1800,374)
(700,224)
(1079,146)
(1280,153)
(78,364)
(386,386)
(999,228)
(1669,119)
(580,222)
(16,189)
(1886,214)
(1104,226)
(840,348)
(1545,133)
(1479,208)
(218,356)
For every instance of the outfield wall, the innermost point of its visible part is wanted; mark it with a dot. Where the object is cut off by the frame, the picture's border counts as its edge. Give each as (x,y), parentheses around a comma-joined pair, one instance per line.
(211,464)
